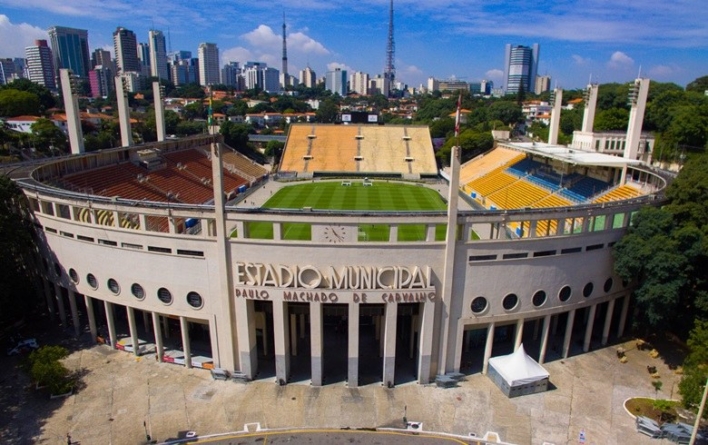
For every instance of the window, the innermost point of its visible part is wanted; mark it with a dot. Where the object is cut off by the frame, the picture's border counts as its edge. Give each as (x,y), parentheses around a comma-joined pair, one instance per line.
(85,238)
(137,291)
(587,290)
(594,247)
(608,285)
(195,300)
(571,250)
(513,256)
(564,294)
(190,252)
(479,305)
(107,242)
(73,275)
(159,249)
(92,281)
(164,295)
(544,253)
(482,258)
(510,302)
(113,286)
(539,298)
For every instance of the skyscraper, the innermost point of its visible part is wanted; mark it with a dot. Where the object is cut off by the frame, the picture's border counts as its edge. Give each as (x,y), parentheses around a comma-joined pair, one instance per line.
(208,64)
(70,49)
(144,58)
(7,70)
(543,84)
(360,83)
(521,65)
(40,64)
(125,46)
(102,57)
(336,81)
(308,77)
(158,55)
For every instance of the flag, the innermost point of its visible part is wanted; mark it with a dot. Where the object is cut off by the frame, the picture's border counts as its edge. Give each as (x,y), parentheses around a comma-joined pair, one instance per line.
(457,115)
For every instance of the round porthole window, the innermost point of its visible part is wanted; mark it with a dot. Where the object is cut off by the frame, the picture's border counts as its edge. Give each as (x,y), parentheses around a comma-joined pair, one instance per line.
(113,286)
(539,298)
(137,291)
(164,295)
(92,281)
(479,305)
(510,302)
(195,300)
(564,294)
(587,290)
(74,276)
(608,285)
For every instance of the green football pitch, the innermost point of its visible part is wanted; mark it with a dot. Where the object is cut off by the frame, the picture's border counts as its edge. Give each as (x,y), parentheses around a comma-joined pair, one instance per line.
(334,195)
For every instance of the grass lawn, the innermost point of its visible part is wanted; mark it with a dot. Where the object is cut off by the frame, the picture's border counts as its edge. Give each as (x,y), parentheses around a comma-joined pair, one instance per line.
(332,195)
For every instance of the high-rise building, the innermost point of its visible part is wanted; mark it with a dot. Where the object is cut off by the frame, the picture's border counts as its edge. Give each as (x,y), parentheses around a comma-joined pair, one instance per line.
(308,77)
(144,58)
(103,58)
(379,84)
(40,64)
(258,75)
(230,73)
(158,55)
(360,83)
(208,64)
(336,81)
(70,49)
(101,81)
(125,46)
(7,70)
(543,84)
(521,65)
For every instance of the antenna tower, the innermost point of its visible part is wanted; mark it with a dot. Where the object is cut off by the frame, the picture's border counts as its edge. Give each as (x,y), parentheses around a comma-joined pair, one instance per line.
(285,55)
(390,72)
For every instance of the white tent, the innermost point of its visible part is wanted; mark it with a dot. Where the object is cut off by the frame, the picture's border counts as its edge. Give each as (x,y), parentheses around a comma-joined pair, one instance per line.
(518,374)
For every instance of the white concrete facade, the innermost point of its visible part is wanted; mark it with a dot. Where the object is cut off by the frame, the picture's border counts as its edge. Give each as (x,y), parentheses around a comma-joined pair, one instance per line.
(240,281)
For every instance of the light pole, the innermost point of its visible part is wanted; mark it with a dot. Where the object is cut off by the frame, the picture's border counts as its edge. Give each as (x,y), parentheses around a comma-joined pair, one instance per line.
(698,417)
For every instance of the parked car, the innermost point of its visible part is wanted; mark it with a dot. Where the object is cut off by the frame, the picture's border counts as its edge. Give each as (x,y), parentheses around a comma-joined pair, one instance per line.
(23,346)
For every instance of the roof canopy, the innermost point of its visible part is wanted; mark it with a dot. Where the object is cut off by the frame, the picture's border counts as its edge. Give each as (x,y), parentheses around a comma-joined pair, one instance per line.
(571,155)
(518,368)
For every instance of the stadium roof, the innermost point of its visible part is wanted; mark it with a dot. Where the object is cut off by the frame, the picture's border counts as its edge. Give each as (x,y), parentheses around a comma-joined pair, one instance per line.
(571,155)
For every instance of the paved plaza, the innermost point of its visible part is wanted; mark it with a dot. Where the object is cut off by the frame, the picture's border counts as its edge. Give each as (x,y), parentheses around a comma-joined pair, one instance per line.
(121,391)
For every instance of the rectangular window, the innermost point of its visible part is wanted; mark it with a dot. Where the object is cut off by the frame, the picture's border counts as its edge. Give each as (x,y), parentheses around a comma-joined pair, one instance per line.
(571,250)
(85,238)
(594,247)
(131,246)
(190,252)
(67,234)
(544,253)
(107,242)
(159,249)
(513,256)
(49,229)
(482,258)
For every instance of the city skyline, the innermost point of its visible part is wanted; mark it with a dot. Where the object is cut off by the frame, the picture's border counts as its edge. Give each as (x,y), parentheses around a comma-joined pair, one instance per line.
(668,43)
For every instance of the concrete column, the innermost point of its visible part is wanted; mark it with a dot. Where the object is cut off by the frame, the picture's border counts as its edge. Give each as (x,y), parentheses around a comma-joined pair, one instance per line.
(157,332)
(111,323)
(568,333)
(159,111)
(389,360)
(488,347)
(133,330)
(353,340)
(316,343)
(71,108)
(425,353)
(215,350)
(608,321)
(126,133)
(281,337)
(74,312)
(246,333)
(50,299)
(91,317)
(519,333)
(293,334)
(588,328)
(544,338)
(623,315)
(186,346)
(60,303)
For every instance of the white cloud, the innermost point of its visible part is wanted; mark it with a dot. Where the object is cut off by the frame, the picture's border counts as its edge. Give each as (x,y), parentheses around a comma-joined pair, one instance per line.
(495,75)
(663,71)
(300,42)
(343,66)
(620,60)
(263,36)
(237,54)
(15,37)
(579,60)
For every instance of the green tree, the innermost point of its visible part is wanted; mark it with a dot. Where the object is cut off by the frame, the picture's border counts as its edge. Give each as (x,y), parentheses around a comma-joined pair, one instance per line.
(17,103)
(46,134)
(505,111)
(327,112)
(699,85)
(440,128)
(611,119)
(46,368)
(695,367)
(17,294)
(236,135)
(46,98)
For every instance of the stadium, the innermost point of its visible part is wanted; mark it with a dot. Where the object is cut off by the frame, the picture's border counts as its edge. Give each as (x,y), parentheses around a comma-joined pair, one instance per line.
(357,261)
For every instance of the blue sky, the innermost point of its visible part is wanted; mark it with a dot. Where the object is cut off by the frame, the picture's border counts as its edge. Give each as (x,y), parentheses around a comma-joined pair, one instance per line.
(609,40)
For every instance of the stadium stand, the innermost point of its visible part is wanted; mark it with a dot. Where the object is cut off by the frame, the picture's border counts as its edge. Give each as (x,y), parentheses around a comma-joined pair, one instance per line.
(491,182)
(625,191)
(518,195)
(297,147)
(242,166)
(480,165)
(333,149)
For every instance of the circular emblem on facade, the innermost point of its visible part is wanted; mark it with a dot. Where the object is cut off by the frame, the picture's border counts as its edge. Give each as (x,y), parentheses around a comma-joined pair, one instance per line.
(334,233)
